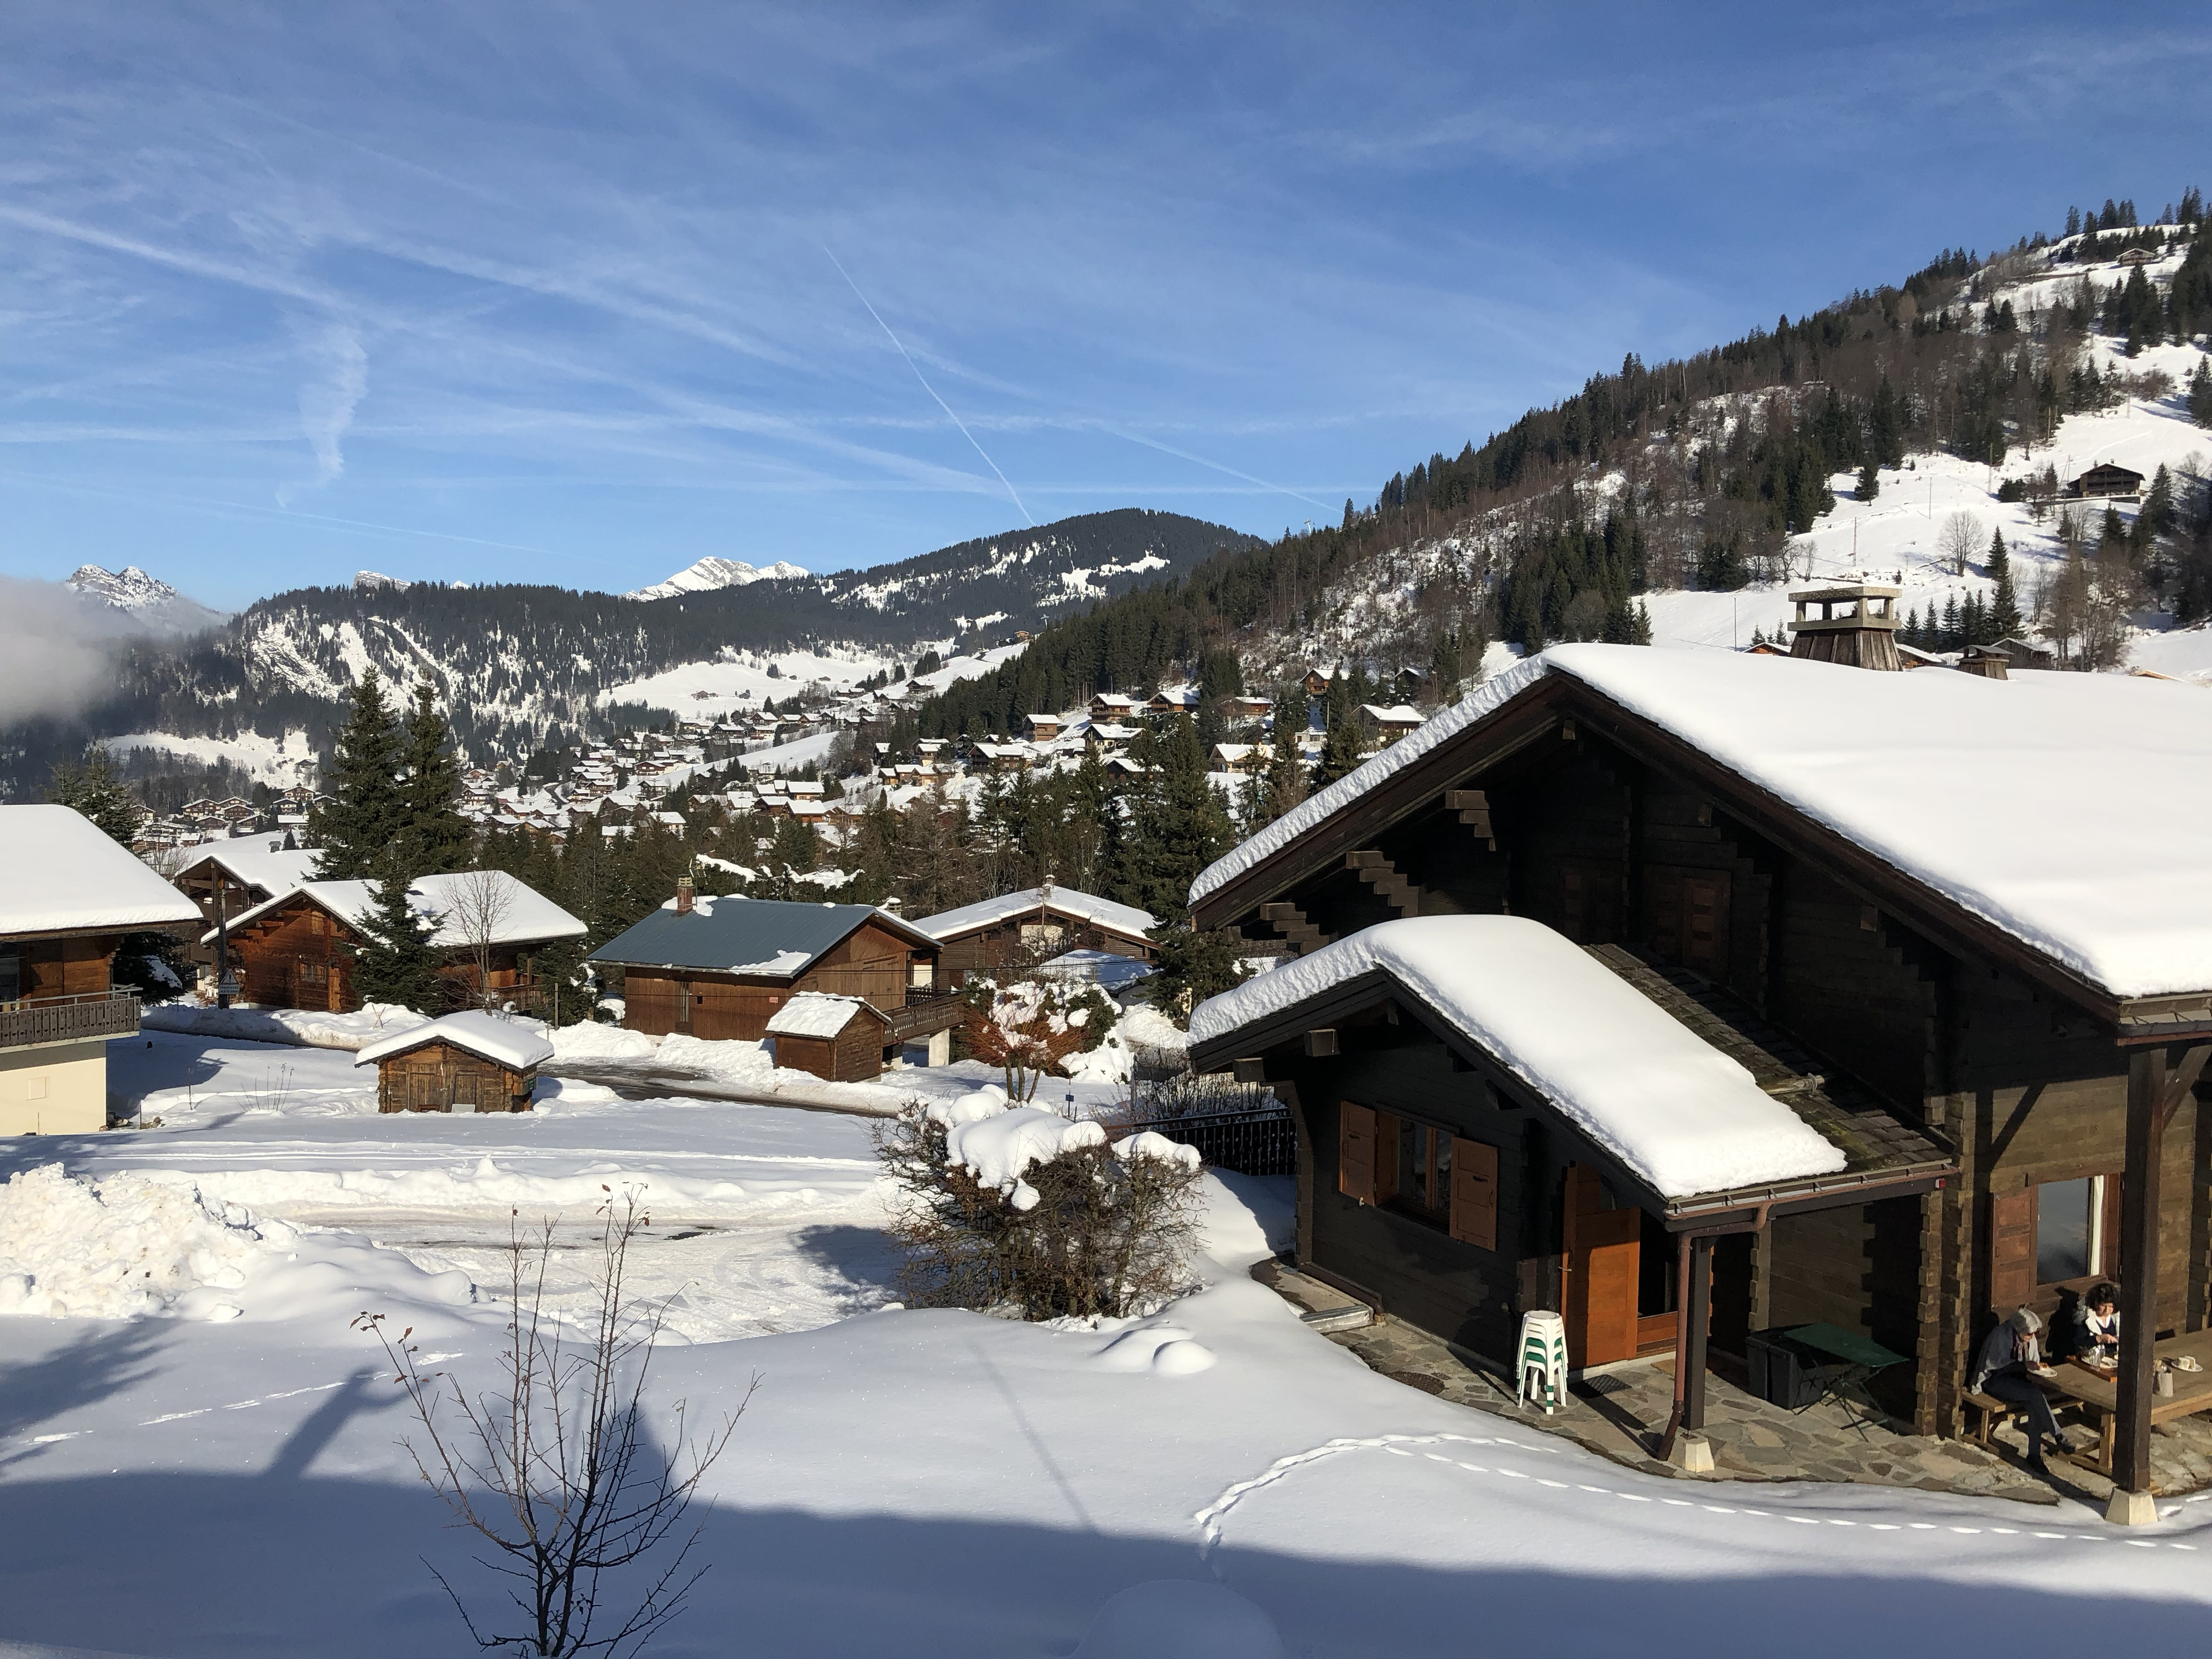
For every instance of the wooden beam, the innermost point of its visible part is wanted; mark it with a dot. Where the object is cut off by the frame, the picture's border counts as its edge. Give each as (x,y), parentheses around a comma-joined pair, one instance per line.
(1251,1068)
(1320,1044)
(2139,1205)
(1691,1359)
(2183,1080)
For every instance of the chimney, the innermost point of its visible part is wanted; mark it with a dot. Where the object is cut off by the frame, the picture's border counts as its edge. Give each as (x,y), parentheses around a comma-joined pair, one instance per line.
(684,893)
(1852,622)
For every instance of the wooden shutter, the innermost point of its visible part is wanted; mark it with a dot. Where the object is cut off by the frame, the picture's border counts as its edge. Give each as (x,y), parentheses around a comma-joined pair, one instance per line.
(1474,1192)
(1388,1131)
(2012,1249)
(1355,1152)
(1688,914)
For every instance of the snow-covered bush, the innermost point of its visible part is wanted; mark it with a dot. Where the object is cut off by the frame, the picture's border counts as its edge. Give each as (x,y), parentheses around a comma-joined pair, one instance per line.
(1018,1210)
(1033,1025)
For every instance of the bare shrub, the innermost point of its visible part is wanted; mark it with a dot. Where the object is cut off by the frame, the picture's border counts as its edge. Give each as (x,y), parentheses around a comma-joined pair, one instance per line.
(1193,1094)
(556,1471)
(481,900)
(1096,1230)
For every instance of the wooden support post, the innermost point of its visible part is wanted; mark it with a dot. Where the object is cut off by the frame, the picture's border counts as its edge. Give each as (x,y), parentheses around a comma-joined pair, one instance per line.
(1689,1356)
(2146,1138)
(1683,1254)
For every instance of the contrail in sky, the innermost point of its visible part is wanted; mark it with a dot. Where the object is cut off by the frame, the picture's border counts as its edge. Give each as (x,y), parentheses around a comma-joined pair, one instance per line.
(925,385)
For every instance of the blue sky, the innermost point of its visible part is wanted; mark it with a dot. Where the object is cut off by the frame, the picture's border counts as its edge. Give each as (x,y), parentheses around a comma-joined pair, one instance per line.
(581,294)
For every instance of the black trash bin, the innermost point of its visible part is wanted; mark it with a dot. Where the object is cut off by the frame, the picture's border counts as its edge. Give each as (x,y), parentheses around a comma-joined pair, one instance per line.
(1782,1372)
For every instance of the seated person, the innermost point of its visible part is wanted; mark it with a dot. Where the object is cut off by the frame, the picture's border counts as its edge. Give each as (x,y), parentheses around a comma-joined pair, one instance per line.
(2009,1362)
(2097,1335)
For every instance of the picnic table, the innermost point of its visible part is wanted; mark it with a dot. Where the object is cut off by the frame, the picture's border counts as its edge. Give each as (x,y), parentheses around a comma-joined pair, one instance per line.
(1857,1358)
(2099,1391)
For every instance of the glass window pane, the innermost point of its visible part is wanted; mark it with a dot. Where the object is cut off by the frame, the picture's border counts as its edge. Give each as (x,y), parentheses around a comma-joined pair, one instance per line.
(2062,1231)
(1442,1195)
(1420,1143)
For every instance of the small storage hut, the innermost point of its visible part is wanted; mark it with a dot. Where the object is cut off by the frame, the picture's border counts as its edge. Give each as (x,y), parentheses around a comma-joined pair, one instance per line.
(466,1062)
(840,1038)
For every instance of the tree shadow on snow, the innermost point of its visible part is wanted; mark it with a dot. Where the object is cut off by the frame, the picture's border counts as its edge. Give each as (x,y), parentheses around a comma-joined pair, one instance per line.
(195,1565)
(96,1362)
(866,1258)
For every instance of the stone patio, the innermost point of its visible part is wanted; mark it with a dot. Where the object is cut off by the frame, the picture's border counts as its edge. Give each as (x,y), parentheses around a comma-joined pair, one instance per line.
(1621,1414)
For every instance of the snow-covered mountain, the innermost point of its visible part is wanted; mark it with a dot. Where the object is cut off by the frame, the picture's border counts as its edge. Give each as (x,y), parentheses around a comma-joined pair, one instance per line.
(709,573)
(147,600)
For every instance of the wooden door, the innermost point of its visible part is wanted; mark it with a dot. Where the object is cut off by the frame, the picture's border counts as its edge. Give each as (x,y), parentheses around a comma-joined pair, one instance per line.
(2012,1249)
(1589,901)
(1688,916)
(1604,1251)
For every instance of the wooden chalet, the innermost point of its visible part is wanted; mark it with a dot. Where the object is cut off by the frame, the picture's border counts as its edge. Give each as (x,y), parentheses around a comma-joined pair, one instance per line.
(1383,724)
(1961,927)
(469,1061)
(297,950)
(1026,927)
(1041,728)
(843,1039)
(722,967)
(2107,478)
(68,897)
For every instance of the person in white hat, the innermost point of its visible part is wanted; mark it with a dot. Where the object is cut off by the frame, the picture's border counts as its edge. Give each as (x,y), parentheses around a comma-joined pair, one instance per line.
(2010,1362)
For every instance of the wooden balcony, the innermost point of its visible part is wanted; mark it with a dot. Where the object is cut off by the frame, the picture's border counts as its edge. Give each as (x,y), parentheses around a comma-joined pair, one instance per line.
(36,1021)
(925,1012)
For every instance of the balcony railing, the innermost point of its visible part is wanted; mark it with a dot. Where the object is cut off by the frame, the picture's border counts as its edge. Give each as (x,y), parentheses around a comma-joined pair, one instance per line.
(37,1020)
(925,1010)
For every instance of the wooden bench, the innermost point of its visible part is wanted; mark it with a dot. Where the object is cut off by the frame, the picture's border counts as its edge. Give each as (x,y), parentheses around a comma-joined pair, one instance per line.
(1995,1414)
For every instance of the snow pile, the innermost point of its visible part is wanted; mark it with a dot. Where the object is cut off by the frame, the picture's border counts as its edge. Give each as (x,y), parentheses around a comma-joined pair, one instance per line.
(998,1144)
(1676,1111)
(1150,1144)
(595,1042)
(725,1060)
(516,1044)
(298,1027)
(486,1184)
(123,1246)
(814,1014)
(1109,1062)
(971,1107)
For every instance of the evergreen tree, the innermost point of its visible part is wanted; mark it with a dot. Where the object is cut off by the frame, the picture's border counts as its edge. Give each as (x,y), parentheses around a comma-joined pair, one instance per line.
(1910,631)
(1445,671)
(1947,636)
(2004,605)
(1293,714)
(436,837)
(1179,824)
(393,961)
(2200,393)
(91,787)
(1886,426)
(364,816)
(1192,966)
(1870,484)
(1341,752)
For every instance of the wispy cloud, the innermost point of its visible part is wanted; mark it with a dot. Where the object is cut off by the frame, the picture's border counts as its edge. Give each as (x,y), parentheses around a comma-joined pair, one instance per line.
(338,380)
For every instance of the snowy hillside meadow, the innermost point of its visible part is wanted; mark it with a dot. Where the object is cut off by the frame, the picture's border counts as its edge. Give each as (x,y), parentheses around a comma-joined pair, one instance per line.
(198,1456)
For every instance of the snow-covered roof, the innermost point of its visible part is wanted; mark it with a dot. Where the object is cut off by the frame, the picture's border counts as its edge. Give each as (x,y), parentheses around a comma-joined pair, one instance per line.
(1124,919)
(513,1043)
(1676,1112)
(814,1014)
(59,873)
(523,915)
(775,939)
(1397,715)
(2065,809)
(254,862)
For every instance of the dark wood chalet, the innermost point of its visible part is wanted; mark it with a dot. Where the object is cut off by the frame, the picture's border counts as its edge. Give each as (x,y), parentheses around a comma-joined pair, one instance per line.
(1028,926)
(469,1061)
(227,878)
(68,897)
(1957,922)
(2108,478)
(296,951)
(722,967)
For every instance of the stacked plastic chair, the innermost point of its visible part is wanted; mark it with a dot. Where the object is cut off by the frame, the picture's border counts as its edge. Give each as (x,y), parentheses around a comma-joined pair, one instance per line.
(1543,1367)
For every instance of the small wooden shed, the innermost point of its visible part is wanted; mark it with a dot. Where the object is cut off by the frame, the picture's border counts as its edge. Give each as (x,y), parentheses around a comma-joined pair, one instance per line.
(840,1038)
(466,1062)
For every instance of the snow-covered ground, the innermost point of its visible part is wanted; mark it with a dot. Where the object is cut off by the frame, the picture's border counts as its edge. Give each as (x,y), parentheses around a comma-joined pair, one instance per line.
(226,1477)
(739,682)
(278,762)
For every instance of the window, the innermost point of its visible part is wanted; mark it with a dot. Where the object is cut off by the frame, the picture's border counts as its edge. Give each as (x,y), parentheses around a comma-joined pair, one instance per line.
(1425,1173)
(2052,1235)
(11,972)
(2069,1228)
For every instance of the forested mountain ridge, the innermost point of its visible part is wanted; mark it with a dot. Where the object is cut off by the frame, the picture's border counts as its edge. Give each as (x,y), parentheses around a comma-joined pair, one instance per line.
(1696,474)
(517,664)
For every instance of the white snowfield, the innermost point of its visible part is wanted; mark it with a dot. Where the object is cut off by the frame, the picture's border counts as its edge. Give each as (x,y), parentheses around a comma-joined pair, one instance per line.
(923,1484)
(1124,919)
(517,914)
(2021,800)
(58,872)
(1672,1108)
(518,1044)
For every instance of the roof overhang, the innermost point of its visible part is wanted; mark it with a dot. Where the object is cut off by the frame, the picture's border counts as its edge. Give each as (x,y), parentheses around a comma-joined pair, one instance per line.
(1733,1210)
